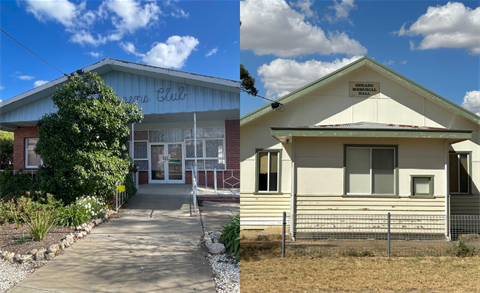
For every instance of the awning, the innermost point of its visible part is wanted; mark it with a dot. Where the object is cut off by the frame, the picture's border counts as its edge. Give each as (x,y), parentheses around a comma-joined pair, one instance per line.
(367,129)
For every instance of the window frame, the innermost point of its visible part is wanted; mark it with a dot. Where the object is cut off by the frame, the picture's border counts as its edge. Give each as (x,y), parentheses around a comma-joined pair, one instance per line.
(279,172)
(395,170)
(141,159)
(469,172)
(431,189)
(204,157)
(26,153)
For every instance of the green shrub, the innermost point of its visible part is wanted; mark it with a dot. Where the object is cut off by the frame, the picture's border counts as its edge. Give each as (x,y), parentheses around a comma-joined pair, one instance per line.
(6,149)
(231,236)
(15,210)
(464,249)
(94,207)
(89,132)
(40,223)
(81,211)
(72,215)
(15,185)
(130,185)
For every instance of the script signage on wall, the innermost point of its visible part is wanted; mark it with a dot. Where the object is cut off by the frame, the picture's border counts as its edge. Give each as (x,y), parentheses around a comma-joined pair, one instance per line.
(162,95)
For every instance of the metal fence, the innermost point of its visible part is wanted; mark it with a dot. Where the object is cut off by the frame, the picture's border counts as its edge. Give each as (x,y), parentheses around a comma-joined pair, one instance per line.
(376,234)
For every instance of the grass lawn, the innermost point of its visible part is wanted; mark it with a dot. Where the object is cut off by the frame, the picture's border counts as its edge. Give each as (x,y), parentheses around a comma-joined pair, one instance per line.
(361,274)
(262,270)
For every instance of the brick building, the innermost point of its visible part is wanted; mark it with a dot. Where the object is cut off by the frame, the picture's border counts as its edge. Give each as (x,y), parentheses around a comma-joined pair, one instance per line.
(163,143)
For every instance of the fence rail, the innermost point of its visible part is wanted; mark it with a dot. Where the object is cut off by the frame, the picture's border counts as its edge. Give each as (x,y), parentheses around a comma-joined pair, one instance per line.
(376,234)
(29,172)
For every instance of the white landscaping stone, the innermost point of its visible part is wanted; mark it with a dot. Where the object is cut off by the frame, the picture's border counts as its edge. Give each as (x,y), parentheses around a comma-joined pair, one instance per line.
(39,255)
(49,256)
(53,248)
(216,248)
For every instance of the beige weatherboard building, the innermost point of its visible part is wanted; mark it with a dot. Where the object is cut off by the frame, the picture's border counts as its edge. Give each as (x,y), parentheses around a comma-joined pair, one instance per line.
(361,140)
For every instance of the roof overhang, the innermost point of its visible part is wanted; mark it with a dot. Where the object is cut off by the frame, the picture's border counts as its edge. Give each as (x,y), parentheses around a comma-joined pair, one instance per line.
(109,64)
(283,134)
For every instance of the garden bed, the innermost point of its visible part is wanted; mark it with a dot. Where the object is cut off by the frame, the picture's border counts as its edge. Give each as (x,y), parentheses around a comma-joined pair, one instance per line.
(11,238)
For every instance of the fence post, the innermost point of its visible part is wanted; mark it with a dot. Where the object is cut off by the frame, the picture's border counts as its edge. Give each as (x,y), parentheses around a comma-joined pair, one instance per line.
(388,234)
(284,223)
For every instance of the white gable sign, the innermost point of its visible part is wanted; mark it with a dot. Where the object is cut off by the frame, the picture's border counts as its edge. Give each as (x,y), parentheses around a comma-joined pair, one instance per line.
(363,88)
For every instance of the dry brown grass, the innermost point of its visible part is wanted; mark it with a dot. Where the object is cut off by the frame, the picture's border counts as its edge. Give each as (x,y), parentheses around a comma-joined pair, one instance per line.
(263,271)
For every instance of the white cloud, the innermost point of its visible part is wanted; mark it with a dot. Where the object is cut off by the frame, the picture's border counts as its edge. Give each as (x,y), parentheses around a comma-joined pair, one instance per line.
(272,27)
(450,26)
(283,76)
(176,11)
(171,54)
(129,48)
(211,52)
(471,102)
(39,83)
(25,77)
(1,88)
(403,62)
(304,6)
(127,16)
(94,54)
(342,11)
(389,62)
(130,15)
(61,11)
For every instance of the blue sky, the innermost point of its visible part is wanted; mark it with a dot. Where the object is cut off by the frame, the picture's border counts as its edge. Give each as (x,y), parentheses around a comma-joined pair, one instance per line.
(194,36)
(286,44)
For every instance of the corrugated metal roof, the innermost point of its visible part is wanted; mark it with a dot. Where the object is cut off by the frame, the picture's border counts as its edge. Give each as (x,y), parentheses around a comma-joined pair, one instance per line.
(372,125)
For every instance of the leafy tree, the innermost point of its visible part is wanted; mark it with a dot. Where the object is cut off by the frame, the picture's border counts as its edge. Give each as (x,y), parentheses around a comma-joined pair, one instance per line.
(83,145)
(248,82)
(6,149)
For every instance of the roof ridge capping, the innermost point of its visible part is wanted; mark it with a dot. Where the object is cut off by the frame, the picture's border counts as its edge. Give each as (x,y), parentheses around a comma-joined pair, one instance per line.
(365,60)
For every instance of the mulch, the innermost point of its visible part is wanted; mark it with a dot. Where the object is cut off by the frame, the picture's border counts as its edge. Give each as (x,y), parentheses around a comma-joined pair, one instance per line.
(11,238)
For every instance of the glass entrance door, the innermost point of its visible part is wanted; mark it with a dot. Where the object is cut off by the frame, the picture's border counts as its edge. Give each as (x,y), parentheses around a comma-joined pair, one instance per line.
(157,164)
(166,163)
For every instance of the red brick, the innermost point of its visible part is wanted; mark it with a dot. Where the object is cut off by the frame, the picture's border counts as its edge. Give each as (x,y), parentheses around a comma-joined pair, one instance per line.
(20,134)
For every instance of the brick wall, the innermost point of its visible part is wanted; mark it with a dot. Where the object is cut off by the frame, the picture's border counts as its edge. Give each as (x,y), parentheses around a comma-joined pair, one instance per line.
(232,142)
(142,177)
(20,134)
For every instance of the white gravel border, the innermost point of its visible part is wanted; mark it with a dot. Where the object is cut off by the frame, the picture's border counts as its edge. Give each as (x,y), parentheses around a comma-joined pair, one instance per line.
(226,273)
(12,273)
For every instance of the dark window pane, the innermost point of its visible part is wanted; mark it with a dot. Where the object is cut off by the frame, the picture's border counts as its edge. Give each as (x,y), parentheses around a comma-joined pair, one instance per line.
(273,171)
(453,172)
(383,171)
(464,173)
(263,171)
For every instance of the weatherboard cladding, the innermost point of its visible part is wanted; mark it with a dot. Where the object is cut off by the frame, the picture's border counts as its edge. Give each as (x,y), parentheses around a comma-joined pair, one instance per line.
(148,92)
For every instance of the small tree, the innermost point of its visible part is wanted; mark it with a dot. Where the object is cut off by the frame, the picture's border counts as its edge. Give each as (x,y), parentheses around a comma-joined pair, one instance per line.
(6,149)
(83,145)
(248,82)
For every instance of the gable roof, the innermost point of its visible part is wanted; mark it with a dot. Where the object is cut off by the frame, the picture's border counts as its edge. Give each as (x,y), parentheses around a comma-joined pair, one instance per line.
(109,64)
(375,66)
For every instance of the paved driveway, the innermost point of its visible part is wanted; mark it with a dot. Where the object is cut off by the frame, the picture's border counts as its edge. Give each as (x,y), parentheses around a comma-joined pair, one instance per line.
(151,247)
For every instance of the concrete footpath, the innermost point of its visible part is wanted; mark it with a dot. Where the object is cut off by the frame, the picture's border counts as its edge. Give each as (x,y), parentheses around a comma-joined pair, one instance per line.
(151,247)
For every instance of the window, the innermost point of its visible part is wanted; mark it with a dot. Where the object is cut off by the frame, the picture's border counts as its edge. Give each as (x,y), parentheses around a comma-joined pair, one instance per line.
(140,157)
(459,173)
(32,160)
(268,165)
(370,170)
(210,148)
(422,185)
